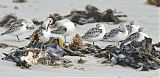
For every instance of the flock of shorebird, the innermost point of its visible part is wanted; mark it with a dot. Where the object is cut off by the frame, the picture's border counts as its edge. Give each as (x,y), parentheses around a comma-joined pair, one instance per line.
(124,33)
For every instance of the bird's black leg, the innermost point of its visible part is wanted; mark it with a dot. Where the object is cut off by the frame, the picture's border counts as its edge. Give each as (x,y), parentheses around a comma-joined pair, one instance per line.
(18,38)
(65,39)
(93,43)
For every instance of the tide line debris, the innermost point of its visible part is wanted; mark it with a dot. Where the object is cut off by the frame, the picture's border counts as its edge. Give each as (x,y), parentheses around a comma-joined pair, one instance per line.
(138,55)
(154,2)
(141,55)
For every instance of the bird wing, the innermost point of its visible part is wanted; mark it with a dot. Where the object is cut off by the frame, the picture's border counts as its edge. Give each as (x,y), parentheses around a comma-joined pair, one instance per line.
(14,27)
(112,33)
(132,37)
(60,30)
(93,32)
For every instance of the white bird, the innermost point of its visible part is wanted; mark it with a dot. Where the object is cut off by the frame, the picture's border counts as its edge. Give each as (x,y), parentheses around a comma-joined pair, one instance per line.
(44,31)
(64,27)
(132,28)
(136,37)
(47,31)
(18,28)
(95,34)
(116,34)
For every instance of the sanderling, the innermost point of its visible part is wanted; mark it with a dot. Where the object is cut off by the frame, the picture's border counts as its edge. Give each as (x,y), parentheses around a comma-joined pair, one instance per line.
(95,34)
(132,27)
(64,27)
(137,37)
(18,28)
(116,34)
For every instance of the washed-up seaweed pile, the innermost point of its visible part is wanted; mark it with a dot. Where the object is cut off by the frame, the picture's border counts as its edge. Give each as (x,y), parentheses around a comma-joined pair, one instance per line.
(157,45)
(91,14)
(81,48)
(26,57)
(154,2)
(19,1)
(138,55)
(50,53)
(7,20)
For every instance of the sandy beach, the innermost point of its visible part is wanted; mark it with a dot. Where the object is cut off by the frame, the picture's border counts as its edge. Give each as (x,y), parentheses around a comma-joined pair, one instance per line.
(145,15)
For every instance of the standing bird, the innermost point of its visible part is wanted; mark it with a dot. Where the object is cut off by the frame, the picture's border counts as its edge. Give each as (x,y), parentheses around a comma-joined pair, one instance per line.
(116,34)
(64,27)
(18,27)
(95,34)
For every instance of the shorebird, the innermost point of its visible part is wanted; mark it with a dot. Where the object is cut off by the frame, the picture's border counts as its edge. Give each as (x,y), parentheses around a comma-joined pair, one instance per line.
(64,27)
(136,37)
(95,34)
(18,27)
(116,34)
(132,28)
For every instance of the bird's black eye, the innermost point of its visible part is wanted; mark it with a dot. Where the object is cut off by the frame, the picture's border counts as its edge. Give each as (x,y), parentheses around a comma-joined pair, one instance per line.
(50,21)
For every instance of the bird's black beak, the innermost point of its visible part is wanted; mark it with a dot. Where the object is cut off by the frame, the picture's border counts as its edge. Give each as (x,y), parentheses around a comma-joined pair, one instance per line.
(30,28)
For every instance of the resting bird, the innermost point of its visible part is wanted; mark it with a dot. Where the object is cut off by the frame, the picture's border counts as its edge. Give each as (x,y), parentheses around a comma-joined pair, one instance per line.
(64,27)
(95,34)
(136,37)
(116,34)
(132,27)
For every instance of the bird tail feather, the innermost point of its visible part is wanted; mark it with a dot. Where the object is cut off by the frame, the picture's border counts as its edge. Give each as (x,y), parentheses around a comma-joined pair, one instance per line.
(2,34)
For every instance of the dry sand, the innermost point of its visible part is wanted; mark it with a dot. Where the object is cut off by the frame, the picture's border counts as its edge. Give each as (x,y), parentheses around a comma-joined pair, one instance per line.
(138,10)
